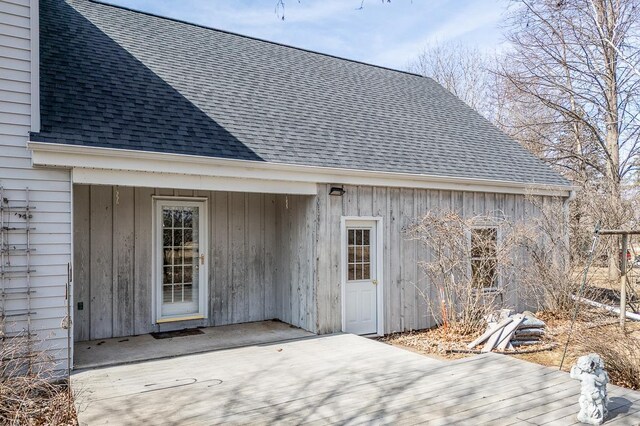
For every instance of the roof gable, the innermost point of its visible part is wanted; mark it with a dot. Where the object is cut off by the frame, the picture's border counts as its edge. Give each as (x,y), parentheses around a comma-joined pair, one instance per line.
(112,77)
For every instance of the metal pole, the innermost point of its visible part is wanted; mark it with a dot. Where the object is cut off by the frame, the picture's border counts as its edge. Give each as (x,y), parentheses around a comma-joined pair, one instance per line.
(623,281)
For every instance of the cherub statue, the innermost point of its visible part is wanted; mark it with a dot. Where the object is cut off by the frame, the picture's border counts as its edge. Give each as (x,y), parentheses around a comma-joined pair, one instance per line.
(593,392)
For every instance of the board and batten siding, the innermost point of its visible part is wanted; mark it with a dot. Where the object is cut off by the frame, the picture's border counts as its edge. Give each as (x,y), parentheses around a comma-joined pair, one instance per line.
(49,189)
(403,279)
(259,263)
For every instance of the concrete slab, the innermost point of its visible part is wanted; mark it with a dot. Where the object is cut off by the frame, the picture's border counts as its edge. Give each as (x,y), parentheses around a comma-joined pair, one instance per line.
(123,350)
(342,379)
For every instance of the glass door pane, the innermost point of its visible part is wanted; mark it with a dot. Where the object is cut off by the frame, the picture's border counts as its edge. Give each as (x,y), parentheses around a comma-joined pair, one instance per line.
(180,249)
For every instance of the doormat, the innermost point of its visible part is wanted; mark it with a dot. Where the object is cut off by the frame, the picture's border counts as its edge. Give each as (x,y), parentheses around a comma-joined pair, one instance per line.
(176,333)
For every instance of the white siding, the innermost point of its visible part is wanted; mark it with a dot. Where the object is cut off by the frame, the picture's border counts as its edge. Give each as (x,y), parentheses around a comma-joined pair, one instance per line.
(50,190)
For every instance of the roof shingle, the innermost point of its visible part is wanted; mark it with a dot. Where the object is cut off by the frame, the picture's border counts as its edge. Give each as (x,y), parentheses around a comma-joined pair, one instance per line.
(116,78)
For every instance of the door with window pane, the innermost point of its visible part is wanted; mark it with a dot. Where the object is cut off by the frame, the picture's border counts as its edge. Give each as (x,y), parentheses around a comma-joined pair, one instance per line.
(361,280)
(181,269)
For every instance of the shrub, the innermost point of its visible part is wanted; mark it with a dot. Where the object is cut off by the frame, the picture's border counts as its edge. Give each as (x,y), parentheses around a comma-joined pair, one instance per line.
(620,351)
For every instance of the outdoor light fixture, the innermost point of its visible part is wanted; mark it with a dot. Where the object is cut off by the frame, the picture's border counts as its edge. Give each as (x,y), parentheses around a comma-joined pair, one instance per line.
(337,190)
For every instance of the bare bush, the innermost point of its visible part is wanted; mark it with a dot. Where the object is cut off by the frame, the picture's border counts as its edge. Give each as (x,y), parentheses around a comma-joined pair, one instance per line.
(620,351)
(32,394)
(472,264)
(548,278)
(557,246)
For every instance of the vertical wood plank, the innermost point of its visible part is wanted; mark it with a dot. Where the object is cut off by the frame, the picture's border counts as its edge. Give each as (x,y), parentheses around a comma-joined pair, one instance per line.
(423,285)
(490,205)
(468,209)
(311,270)
(143,252)
(221,271)
(445,201)
(395,243)
(350,201)
(478,203)
(334,208)
(81,262)
(270,248)
(381,208)
(255,253)
(457,202)
(238,256)
(365,201)
(123,260)
(323,256)
(499,206)
(408,260)
(101,249)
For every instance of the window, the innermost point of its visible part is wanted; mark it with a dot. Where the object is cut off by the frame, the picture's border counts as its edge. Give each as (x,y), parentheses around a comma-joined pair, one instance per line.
(484,248)
(359,252)
(180,253)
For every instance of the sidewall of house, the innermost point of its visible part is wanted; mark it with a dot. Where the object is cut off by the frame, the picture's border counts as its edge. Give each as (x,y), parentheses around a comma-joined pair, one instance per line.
(403,280)
(49,193)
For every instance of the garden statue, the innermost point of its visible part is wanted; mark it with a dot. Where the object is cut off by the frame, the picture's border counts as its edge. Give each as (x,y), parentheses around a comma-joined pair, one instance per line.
(593,392)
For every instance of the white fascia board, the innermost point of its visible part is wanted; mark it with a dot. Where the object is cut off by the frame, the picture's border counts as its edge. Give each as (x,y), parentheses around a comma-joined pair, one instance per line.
(72,156)
(195,182)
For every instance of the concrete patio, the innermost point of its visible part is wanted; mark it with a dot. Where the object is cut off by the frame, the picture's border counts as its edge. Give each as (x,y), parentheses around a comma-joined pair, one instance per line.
(334,379)
(124,350)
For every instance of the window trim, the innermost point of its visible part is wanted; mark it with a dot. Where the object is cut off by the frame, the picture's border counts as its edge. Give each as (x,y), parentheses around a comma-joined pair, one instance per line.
(498,280)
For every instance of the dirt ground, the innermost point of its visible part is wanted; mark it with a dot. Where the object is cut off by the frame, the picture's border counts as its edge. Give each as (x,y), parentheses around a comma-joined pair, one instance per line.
(591,324)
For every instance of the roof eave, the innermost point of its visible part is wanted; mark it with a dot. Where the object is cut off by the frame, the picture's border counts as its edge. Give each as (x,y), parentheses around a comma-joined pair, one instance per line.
(86,157)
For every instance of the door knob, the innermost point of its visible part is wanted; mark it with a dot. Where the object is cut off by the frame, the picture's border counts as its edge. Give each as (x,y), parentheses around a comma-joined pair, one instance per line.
(374,282)
(202,259)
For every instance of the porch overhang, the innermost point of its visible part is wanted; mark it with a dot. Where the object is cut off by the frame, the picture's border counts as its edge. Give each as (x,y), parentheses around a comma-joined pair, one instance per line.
(109,166)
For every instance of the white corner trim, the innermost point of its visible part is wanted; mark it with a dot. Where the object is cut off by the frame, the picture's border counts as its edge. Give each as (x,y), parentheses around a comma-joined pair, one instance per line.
(72,156)
(195,182)
(34,25)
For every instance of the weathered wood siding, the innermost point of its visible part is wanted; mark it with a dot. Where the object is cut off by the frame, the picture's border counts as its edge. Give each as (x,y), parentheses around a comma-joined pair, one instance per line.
(49,189)
(404,309)
(260,259)
(296,244)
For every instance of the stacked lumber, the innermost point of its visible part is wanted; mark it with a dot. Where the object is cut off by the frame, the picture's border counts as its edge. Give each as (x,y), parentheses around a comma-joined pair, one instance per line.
(509,331)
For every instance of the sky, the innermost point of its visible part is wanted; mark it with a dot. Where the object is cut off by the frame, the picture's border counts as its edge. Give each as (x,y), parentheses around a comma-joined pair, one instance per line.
(386,34)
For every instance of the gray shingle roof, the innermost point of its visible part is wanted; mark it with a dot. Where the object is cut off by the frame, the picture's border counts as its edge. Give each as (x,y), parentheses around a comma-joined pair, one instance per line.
(112,77)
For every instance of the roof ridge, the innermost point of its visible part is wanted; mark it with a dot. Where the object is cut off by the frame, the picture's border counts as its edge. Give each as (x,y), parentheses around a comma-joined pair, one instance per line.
(182,21)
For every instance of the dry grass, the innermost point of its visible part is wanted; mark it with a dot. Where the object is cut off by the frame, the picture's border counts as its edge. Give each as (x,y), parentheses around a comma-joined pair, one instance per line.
(436,342)
(31,400)
(31,393)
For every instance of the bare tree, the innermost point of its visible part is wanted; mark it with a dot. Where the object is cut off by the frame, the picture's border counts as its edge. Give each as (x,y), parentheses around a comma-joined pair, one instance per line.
(573,66)
(462,70)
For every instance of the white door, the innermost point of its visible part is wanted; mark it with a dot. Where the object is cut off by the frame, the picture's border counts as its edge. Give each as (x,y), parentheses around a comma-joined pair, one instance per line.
(181,271)
(360,282)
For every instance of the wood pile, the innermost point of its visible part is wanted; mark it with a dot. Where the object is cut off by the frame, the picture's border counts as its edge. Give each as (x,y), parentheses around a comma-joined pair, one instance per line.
(509,331)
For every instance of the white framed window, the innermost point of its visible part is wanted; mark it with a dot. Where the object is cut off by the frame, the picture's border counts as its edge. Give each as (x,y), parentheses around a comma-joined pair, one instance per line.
(359,254)
(484,242)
